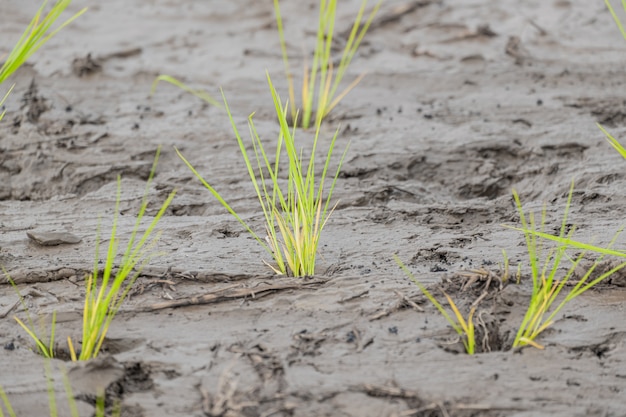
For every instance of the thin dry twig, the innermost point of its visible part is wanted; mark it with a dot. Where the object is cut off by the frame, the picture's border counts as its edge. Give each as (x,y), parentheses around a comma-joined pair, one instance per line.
(403,301)
(354,297)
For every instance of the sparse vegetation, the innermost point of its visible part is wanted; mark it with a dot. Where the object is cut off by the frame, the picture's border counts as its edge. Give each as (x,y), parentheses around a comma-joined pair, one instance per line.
(464,328)
(37,33)
(106,291)
(543,306)
(295,215)
(322,75)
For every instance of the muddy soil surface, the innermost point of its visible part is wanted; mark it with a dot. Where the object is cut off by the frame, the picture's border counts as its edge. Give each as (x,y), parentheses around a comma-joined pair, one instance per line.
(462,102)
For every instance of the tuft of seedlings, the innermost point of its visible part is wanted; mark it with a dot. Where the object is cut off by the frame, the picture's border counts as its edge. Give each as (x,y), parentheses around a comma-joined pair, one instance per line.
(543,306)
(37,33)
(464,328)
(106,290)
(295,214)
(322,75)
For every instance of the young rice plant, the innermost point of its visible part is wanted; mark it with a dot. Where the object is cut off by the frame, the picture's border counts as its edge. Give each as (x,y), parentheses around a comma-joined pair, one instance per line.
(464,328)
(37,33)
(322,75)
(543,306)
(106,291)
(295,215)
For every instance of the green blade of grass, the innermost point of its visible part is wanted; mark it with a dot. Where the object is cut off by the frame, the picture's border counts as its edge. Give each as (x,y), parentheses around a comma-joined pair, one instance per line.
(7,404)
(36,35)
(30,329)
(105,294)
(618,146)
(203,95)
(464,328)
(294,214)
(541,311)
(319,81)
(615,17)
(5,99)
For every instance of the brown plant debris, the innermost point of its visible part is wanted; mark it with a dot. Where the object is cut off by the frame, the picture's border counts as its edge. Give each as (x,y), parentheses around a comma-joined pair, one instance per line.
(238,291)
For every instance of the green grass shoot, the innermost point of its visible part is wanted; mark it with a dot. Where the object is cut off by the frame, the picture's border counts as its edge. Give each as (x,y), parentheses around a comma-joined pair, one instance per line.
(46,349)
(7,405)
(3,100)
(105,293)
(543,306)
(37,33)
(322,75)
(618,146)
(295,216)
(198,93)
(615,17)
(102,301)
(464,328)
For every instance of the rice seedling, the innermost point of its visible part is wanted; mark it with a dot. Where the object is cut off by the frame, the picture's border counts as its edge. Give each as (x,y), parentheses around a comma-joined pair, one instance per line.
(37,33)
(295,217)
(106,292)
(322,72)
(464,328)
(103,301)
(543,306)
(46,349)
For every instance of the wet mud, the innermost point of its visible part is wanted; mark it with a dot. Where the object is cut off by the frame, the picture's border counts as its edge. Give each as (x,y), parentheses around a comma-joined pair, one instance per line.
(462,102)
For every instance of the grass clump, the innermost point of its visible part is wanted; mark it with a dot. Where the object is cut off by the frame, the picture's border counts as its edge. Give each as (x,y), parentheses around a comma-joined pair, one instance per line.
(322,75)
(37,33)
(543,306)
(464,328)
(106,290)
(295,214)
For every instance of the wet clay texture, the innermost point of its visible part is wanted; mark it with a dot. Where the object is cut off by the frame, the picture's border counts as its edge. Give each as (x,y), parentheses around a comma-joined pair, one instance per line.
(462,101)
